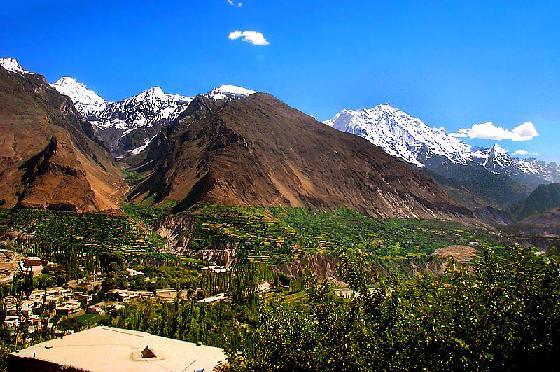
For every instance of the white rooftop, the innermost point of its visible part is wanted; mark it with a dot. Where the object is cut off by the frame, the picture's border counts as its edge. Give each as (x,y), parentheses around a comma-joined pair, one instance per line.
(103,349)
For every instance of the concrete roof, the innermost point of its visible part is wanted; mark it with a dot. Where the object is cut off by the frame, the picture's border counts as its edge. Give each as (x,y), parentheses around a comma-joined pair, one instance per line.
(114,349)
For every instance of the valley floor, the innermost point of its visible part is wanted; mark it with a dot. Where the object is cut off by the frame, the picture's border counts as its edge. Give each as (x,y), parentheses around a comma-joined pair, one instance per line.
(284,288)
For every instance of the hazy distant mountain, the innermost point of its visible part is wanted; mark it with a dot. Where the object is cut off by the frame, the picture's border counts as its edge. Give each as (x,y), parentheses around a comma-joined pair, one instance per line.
(543,199)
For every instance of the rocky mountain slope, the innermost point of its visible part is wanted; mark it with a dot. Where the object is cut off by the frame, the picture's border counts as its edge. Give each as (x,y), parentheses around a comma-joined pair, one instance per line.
(258,150)
(549,221)
(49,157)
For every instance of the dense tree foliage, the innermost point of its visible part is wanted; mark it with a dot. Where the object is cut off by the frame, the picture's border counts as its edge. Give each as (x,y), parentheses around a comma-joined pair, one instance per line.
(501,313)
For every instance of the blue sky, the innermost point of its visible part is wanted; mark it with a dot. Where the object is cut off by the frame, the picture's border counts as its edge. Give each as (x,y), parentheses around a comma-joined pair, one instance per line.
(451,63)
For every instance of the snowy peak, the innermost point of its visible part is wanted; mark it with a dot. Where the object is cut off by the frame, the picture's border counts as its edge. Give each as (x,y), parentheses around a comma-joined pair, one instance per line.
(151,94)
(400,134)
(12,65)
(87,102)
(498,150)
(500,156)
(129,125)
(77,91)
(156,95)
(413,141)
(229,92)
(493,157)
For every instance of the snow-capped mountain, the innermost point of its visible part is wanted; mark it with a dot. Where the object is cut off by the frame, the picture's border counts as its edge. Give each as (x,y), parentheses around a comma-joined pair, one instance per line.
(415,142)
(229,92)
(12,65)
(128,126)
(125,126)
(87,102)
(144,109)
(528,171)
(493,158)
(401,135)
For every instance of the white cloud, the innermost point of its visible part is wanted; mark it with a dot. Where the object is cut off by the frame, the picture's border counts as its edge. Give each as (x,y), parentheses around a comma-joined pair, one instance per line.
(524,153)
(253,37)
(236,4)
(490,131)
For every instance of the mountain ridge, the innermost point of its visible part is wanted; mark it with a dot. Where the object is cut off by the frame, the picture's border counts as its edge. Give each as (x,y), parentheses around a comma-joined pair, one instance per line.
(543,199)
(257,150)
(127,126)
(48,156)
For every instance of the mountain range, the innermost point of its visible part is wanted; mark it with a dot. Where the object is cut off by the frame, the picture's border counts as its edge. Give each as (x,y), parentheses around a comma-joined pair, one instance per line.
(258,150)
(126,127)
(476,176)
(233,145)
(410,139)
(229,146)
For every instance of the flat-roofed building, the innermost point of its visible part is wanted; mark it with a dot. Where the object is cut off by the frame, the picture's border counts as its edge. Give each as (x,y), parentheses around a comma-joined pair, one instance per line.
(168,295)
(113,349)
(68,307)
(33,261)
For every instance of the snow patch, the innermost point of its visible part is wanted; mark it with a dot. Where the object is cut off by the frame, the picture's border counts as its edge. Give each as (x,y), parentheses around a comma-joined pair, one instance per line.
(139,149)
(227,91)
(12,65)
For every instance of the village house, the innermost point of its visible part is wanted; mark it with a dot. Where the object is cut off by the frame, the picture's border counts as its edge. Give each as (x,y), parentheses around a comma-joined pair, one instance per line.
(26,307)
(217,298)
(11,322)
(167,295)
(95,309)
(69,307)
(124,295)
(215,268)
(84,298)
(10,304)
(132,273)
(344,292)
(32,264)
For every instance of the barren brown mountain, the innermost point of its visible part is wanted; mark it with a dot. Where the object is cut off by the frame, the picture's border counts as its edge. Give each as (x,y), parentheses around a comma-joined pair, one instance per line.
(258,150)
(48,157)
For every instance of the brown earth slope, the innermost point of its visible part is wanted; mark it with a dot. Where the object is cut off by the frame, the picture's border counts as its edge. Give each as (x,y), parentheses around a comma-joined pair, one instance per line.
(258,150)
(47,157)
